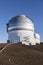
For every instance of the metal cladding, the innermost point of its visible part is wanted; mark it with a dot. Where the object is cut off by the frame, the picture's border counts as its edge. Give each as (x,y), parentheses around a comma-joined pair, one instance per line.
(21,29)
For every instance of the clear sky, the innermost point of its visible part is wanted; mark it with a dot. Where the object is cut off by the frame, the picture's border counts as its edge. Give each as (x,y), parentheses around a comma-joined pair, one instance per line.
(11,8)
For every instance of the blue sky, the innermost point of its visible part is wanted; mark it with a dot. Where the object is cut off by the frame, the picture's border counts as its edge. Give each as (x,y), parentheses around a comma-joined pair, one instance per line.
(11,8)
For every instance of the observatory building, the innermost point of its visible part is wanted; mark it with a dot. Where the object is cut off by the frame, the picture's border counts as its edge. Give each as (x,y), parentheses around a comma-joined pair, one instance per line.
(21,29)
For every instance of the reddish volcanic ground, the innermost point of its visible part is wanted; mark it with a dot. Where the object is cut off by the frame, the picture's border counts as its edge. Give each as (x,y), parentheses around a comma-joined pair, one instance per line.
(18,54)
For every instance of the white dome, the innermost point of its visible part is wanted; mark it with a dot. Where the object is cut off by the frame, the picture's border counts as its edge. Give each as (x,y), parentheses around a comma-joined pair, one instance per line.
(22,18)
(21,29)
(21,22)
(37,35)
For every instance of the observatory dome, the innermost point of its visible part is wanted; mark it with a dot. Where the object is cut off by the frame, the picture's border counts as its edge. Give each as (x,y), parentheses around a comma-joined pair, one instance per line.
(21,29)
(37,35)
(20,22)
(37,38)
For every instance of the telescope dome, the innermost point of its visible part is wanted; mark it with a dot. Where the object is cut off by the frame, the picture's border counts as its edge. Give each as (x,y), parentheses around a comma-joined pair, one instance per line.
(20,22)
(21,29)
(22,18)
(37,35)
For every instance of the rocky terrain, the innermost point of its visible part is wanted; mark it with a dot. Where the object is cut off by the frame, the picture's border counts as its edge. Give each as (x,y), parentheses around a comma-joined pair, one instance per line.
(18,54)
